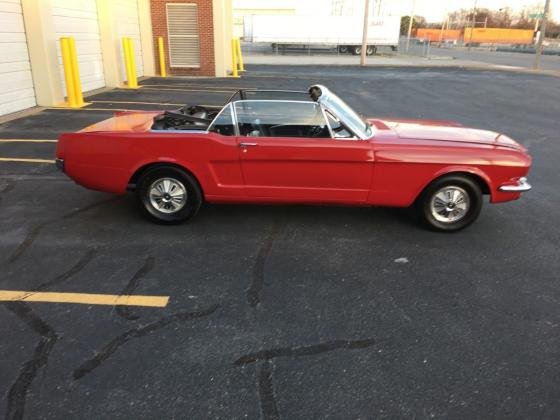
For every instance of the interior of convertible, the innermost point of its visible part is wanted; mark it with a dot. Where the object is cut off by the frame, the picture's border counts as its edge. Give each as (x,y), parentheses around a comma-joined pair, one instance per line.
(259,113)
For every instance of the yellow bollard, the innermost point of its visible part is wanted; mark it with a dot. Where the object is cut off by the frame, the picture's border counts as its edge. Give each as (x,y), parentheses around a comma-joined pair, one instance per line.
(234,59)
(130,66)
(76,73)
(71,72)
(162,70)
(239,56)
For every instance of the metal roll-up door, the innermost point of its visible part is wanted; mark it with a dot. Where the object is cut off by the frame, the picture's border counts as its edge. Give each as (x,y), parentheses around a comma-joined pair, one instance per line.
(16,82)
(128,25)
(182,30)
(78,18)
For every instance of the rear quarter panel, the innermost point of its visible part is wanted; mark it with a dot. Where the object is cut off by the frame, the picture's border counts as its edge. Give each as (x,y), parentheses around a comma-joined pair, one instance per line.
(107,160)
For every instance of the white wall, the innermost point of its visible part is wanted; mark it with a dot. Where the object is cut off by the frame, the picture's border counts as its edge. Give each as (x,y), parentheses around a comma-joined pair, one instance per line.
(16,83)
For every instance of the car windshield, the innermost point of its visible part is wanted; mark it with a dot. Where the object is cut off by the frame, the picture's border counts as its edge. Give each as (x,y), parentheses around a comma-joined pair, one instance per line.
(338,107)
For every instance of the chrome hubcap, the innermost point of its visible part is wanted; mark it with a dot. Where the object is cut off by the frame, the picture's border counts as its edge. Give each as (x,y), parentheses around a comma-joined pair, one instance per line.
(168,195)
(450,204)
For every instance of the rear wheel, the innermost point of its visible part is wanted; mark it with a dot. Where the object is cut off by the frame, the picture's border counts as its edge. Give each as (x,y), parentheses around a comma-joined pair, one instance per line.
(450,203)
(370,50)
(343,49)
(357,50)
(169,195)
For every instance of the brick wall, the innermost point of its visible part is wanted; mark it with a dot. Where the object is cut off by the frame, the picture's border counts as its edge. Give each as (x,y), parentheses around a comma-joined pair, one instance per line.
(205,32)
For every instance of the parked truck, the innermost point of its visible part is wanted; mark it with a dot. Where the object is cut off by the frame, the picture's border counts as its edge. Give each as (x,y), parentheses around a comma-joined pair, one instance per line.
(343,32)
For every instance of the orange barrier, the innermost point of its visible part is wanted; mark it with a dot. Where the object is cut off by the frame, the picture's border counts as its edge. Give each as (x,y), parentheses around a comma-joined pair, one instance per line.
(437,35)
(498,36)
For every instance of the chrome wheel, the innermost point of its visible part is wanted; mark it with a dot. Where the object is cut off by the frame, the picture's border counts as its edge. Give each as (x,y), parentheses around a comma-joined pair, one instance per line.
(167,195)
(450,204)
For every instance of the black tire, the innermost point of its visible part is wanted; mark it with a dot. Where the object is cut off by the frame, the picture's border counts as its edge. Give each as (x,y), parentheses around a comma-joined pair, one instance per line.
(343,49)
(454,214)
(175,212)
(357,50)
(371,49)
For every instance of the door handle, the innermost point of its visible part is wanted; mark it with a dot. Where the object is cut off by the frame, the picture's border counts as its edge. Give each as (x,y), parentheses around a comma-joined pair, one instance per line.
(248,144)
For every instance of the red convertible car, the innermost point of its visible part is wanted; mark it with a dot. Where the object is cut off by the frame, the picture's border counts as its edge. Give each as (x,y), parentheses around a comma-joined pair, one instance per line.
(267,146)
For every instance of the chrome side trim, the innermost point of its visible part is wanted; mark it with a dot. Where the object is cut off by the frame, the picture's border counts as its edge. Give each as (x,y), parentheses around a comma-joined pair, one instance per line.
(522,186)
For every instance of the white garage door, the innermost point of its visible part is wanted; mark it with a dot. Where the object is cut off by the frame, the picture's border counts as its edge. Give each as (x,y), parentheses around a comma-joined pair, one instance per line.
(78,18)
(128,26)
(16,83)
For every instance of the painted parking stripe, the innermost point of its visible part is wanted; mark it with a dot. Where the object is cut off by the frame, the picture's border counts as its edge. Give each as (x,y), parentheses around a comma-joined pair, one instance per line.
(24,160)
(135,102)
(84,298)
(28,141)
(192,90)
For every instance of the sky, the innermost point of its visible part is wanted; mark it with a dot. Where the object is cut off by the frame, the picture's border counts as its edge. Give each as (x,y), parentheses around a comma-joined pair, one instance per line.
(432,10)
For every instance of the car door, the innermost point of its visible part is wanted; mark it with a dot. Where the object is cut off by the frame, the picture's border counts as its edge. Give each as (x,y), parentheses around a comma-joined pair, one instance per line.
(287,153)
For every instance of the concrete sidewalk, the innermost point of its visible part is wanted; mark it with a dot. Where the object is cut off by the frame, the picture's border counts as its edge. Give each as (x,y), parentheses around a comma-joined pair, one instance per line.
(383,61)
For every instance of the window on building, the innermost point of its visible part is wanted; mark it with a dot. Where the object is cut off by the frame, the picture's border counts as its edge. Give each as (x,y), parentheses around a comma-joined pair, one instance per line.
(182,30)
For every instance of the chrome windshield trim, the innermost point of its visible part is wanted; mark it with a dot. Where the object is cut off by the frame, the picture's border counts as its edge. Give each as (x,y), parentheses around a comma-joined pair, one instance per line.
(521,186)
(331,101)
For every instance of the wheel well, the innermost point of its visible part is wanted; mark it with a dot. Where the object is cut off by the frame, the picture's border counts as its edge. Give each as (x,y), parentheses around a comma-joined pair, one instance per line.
(484,188)
(142,170)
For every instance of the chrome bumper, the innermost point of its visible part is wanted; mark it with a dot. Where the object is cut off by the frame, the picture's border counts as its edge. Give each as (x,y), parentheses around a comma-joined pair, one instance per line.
(521,186)
(59,164)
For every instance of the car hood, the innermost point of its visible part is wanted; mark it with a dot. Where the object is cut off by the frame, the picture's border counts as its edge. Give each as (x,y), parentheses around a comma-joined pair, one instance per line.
(443,131)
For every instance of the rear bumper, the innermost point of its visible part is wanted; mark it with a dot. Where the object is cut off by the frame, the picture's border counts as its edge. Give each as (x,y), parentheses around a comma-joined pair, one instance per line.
(520,186)
(59,164)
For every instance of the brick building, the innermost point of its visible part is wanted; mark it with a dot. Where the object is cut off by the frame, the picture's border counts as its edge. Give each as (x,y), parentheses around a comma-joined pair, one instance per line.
(196,35)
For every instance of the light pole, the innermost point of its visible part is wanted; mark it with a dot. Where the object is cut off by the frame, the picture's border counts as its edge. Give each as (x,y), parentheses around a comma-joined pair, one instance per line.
(364,35)
(473,23)
(410,21)
(542,30)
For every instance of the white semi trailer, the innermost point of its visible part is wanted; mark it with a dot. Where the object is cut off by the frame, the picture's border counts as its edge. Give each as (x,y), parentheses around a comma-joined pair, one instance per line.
(342,32)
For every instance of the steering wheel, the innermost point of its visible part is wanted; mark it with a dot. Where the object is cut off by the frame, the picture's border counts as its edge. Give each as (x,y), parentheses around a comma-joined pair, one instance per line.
(316,131)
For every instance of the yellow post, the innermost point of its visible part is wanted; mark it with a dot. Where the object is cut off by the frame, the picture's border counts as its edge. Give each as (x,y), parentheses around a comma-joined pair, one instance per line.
(76,73)
(71,72)
(130,66)
(68,76)
(134,81)
(239,55)
(234,59)
(162,70)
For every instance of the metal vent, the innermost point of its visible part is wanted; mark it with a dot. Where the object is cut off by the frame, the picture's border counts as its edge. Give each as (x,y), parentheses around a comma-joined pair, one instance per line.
(182,31)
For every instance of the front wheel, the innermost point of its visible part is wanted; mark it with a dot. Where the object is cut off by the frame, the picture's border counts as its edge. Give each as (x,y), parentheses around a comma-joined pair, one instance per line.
(169,195)
(450,203)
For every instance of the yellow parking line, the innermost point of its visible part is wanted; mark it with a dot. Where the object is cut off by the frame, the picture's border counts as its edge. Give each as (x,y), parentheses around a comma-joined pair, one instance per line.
(26,160)
(27,141)
(133,102)
(193,90)
(202,88)
(84,298)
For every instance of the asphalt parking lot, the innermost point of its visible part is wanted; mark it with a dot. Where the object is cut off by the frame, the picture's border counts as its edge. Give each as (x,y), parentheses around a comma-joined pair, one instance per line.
(294,312)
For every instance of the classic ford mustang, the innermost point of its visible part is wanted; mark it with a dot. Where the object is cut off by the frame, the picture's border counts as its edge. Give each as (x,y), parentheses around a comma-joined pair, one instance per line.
(267,146)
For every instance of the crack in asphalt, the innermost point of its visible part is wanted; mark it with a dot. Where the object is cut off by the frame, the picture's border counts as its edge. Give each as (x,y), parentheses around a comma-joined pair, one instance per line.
(34,232)
(113,345)
(257,276)
(72,271)
(124,311)
(304,350)
(266,391)
(18,391)
(8,186)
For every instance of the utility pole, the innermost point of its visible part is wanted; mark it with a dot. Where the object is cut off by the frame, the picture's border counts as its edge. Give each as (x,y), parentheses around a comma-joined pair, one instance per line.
(364,35)
(472,24)
(542,31)
(410,21)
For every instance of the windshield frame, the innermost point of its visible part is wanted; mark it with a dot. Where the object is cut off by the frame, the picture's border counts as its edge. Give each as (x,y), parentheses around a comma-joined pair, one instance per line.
(342,110)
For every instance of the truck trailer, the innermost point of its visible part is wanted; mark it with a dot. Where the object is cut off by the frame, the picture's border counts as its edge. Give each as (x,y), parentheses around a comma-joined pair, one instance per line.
(342,32)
